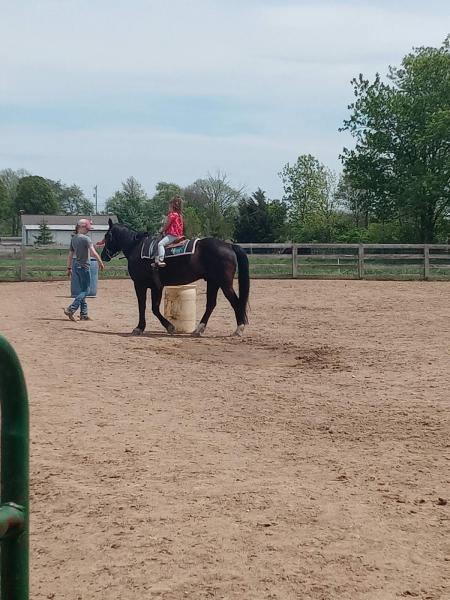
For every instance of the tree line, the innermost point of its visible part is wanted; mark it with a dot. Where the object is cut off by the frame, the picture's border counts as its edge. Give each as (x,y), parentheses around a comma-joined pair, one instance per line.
(394,185)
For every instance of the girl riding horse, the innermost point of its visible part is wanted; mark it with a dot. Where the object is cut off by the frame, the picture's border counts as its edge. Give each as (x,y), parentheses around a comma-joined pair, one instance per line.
(214,260)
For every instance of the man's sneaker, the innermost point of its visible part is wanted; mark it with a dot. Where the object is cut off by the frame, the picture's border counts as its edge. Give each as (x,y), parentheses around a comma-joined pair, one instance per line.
(159,263)
(85,318)
(69,314)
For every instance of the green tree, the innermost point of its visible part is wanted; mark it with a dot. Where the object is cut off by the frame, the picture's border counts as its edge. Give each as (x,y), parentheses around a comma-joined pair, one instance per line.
(278,217)
(45,235)
(309,191)
(10,179)
(71,199)
(194,212)
(35,196)
(253,221)
(193,225)
(215,202)
(5,208)
(129,204)
(355,201)
(402,154)
(158,205)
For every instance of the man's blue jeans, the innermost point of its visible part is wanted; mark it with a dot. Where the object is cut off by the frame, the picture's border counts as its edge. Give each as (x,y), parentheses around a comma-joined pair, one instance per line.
(83,277)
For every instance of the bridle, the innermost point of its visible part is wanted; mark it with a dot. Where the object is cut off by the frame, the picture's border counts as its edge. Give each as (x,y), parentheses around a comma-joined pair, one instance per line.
(110,255)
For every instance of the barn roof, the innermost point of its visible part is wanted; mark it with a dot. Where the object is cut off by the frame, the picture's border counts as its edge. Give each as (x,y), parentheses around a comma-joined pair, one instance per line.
(66,219)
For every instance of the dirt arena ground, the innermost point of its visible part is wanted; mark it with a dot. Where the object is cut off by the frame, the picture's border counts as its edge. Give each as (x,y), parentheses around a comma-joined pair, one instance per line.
(309,460)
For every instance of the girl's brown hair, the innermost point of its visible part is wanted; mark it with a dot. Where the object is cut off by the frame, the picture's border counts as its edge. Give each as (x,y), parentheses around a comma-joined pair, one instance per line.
(176,204)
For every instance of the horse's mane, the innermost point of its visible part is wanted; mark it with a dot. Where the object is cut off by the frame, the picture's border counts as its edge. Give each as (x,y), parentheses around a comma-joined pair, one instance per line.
(134,236)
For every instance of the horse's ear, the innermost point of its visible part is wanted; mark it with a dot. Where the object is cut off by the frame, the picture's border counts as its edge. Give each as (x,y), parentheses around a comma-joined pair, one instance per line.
(110,223)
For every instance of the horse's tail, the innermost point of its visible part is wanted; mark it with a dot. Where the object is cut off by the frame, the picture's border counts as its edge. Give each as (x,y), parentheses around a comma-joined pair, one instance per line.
(244,280)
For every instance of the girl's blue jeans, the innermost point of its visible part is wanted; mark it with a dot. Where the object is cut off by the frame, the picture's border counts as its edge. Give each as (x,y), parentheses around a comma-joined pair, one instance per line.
(82,274)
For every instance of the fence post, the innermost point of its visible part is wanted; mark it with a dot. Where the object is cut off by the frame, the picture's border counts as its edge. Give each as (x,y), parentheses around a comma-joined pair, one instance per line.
(361,261)
(294,261)
(426,262)
(23,263)
(14,476)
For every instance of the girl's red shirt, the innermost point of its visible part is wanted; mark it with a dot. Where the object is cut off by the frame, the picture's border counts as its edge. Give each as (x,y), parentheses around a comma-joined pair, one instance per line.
(175,225)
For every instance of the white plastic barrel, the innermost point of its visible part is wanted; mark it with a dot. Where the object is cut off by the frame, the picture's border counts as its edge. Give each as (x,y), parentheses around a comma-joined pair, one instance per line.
(180,307)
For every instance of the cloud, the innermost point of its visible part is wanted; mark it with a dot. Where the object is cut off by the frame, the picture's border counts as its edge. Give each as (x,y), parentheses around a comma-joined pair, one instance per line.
(107,157)
(79,49)
(92,92)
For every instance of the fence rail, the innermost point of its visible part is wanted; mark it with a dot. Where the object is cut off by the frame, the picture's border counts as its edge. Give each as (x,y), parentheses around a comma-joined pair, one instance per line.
(351,261)
(301,261)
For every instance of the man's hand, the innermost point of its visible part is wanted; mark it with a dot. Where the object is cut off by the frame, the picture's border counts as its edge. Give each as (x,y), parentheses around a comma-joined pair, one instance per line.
(97,257)
(69,263)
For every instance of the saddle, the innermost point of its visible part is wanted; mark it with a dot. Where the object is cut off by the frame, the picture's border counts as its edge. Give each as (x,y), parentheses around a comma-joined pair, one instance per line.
(180,247)
(178,242)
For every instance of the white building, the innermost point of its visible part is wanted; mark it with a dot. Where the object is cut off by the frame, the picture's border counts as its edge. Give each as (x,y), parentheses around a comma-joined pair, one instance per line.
(62,227)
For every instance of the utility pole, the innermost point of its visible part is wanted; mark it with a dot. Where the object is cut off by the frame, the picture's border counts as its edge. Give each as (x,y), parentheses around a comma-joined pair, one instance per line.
(95,196)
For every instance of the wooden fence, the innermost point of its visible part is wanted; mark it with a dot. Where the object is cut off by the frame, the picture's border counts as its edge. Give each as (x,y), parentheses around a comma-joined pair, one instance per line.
(44,263)
(299,261)
(351,261)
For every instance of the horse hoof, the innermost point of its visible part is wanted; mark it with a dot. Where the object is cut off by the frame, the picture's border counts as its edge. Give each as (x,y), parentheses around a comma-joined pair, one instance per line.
(239,331)
(200,329)
(137,331)
(171,329)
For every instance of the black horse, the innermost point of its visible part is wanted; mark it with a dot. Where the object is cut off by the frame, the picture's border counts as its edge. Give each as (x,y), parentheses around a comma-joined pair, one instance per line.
(213,260)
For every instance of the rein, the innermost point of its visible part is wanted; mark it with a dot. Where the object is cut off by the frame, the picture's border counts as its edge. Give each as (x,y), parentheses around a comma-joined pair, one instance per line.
(113,255)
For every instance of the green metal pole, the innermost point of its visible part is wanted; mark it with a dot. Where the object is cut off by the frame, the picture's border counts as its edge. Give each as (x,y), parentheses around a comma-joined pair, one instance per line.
(14,476)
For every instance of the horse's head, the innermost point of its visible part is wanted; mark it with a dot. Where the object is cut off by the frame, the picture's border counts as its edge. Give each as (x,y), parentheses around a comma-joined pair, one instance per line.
(112,245)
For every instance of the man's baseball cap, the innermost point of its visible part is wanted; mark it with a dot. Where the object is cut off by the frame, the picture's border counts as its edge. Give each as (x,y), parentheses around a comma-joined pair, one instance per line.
(87,223)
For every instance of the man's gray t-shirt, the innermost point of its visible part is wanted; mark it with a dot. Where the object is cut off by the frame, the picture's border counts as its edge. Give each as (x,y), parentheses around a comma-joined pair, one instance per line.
(80,245)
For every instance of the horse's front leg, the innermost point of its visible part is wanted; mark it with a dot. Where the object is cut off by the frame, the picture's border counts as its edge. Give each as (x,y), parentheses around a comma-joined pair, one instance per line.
(141,294)
(156,301)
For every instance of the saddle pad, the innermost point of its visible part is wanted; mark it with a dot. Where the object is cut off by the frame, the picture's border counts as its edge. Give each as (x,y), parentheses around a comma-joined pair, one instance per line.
(149,248)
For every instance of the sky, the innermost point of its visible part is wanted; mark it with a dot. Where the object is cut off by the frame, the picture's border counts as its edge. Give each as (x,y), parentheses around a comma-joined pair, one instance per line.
(95,91)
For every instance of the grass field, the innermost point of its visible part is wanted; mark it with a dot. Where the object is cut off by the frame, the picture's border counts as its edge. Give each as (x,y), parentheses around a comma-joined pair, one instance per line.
(50,264)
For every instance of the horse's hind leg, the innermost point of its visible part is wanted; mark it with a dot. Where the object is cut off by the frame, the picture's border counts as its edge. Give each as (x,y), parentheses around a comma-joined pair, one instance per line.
(156,301)
(211,301)
(233,299)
